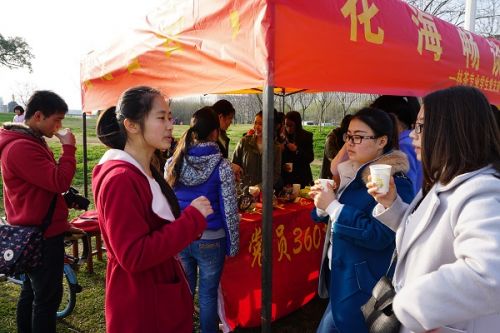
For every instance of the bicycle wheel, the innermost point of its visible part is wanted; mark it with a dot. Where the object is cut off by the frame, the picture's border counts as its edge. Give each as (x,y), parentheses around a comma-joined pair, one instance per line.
(70,288)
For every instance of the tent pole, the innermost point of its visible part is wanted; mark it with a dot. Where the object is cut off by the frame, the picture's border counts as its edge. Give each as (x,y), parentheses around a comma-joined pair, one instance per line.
(85,167)
(268,176)
(470,15)
(267,207)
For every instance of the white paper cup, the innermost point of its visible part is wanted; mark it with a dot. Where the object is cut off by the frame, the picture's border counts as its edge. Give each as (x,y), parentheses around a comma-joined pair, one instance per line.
(381,174)
(62,132)
(254,190)
(289,167)
(324,184)
(296,189)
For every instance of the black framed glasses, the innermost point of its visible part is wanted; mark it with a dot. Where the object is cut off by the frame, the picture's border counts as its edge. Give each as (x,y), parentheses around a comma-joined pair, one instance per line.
(417,127)
(357,139)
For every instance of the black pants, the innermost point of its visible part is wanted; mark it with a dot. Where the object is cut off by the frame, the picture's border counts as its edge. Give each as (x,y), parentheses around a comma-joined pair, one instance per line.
(42,291)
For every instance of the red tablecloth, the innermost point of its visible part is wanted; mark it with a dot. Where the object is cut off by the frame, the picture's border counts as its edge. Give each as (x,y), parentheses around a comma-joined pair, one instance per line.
(297,247)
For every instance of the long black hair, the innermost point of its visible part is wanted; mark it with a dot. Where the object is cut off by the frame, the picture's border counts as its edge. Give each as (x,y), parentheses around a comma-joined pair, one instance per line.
(381,123)
(134,104)
(203,123)
(460,134)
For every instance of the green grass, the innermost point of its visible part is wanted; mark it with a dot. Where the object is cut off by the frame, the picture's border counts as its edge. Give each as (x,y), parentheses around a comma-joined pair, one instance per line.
(89,312)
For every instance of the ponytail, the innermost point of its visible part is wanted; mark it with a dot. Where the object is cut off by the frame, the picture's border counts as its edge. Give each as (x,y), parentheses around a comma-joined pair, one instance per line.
(395,134)
(109,131)
(203,123)
(175,167)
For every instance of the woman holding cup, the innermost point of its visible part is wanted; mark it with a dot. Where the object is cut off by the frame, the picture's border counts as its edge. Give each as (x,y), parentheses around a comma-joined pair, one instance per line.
(358,247)
(447,275)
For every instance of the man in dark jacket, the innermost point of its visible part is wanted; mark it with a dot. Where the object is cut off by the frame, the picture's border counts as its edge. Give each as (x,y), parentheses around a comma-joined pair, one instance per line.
(31,179)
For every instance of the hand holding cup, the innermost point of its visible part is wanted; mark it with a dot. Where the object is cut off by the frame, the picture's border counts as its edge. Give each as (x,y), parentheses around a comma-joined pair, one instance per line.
(385,199)
(66,137)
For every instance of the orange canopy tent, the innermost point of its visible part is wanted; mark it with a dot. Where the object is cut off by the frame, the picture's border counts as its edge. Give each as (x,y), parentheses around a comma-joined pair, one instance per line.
(247,46)
(223,46)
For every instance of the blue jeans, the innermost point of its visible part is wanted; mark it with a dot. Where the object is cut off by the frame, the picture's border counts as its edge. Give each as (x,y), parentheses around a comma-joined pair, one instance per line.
(207,257)
(42,291)
(327,324)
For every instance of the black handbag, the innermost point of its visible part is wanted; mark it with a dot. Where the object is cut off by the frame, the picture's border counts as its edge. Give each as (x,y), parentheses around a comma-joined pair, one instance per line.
(378,313)
(21,246)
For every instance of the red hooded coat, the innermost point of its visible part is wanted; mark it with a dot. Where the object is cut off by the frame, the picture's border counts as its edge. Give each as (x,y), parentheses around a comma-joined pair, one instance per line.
(31,178)
(146,290)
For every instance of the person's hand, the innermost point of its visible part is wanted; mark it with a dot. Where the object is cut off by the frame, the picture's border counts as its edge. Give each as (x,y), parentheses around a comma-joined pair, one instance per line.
(67,138)
(324,198)
(203,205)
(321,198)
(291,147)
(237,170)
(386,199)
(315,189)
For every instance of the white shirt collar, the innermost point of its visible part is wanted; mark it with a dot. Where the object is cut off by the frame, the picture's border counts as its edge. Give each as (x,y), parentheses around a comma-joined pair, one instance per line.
(160,204)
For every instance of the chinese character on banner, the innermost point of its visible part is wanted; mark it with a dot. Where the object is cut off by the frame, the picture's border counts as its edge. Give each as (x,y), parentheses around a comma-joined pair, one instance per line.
(282,244)
(171,46)
(428,35)
(255,246)
(469,49)
(495,51)
(369,11)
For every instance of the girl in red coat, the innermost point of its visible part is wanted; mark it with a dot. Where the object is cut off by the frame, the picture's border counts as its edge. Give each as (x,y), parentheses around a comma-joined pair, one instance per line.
(140,220)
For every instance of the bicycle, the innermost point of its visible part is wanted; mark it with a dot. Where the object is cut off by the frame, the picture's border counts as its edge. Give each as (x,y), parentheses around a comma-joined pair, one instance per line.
(70,282)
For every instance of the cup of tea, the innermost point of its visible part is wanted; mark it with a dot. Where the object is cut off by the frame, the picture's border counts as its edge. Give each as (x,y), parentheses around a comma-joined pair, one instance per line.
(254,190)
(324,182)
(381,174)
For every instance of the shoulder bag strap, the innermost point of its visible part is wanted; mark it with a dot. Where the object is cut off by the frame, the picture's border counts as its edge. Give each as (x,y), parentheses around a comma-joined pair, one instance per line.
(48,217)
(394,259)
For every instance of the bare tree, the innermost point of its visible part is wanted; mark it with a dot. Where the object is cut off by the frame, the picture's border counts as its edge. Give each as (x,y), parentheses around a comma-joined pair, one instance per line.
(304,101)
(23,91)
(323,101)
(488,18)
(453,11)
(291,102)
(246,106)
(349,101)
(15,53)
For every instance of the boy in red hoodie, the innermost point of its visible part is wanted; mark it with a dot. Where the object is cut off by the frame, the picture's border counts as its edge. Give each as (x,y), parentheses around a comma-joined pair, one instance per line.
(31,179)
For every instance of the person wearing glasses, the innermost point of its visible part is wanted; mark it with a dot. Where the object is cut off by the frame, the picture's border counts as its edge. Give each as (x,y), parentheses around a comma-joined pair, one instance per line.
(358,247)
(447,274)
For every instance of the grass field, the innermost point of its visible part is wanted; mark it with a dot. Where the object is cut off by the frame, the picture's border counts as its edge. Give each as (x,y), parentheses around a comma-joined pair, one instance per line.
(89,315)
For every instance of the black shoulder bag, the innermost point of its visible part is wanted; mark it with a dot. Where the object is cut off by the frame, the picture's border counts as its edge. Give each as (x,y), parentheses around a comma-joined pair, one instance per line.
(378,313)
(21,246)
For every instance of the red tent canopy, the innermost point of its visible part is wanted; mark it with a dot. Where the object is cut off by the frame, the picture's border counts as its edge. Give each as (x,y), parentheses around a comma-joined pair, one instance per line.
(370,46)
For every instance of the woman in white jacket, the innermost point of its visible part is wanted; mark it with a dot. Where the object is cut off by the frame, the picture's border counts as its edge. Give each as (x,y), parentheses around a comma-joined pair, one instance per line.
(447,275)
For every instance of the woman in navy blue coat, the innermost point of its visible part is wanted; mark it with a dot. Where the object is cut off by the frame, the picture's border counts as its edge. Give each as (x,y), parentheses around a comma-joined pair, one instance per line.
(358,247)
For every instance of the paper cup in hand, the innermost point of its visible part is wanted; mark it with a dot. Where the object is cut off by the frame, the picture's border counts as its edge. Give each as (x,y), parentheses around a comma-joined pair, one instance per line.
(289,167)
(381,174)
(254,190)
(324,184)
(62,132)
